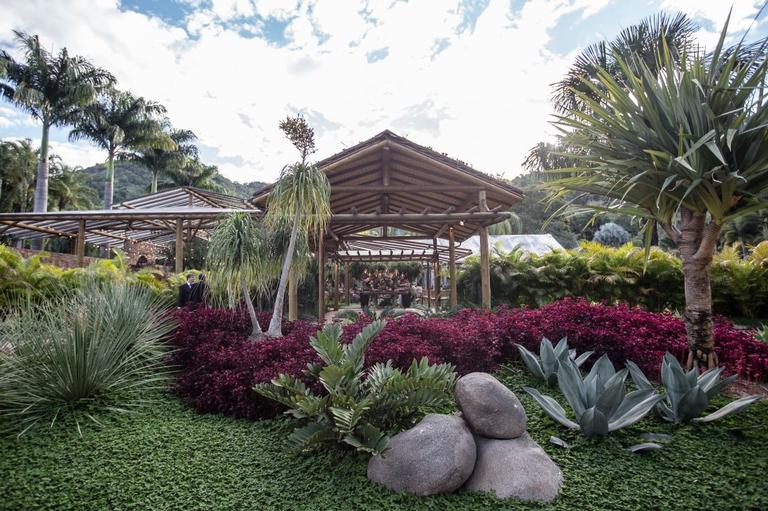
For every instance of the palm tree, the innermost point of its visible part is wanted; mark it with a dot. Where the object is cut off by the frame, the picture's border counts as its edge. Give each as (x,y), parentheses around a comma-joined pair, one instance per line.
(239,258)
(639,43)
(17,175)
(196,174)
(683,144)
(300,199)
(120,122)
(158,160)
(52,88)
(512,225)
(69,187)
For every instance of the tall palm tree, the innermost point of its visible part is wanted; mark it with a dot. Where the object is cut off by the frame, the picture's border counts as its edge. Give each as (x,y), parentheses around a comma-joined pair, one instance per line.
(301,199)
(69,188)
(683,144)
(639,43)
(195,173)
(239,259)
(17,175)
(164,161)
(120,122)
(52,88)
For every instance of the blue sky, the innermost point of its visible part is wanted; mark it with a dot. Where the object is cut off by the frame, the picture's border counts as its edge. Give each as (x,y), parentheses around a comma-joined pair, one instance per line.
(470,78)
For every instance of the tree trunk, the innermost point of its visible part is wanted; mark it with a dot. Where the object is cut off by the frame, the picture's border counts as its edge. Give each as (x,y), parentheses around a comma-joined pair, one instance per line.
(256,332)
(41,185)
(697,245)
(153,187)
(275,324)
(109,181)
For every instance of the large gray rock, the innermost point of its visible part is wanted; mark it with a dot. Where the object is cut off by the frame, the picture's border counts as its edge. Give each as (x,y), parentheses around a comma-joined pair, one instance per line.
(435,456)
(516,468)
(489,407)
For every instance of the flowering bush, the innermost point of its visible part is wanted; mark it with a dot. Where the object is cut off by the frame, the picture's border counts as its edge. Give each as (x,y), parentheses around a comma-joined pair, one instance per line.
(218,366)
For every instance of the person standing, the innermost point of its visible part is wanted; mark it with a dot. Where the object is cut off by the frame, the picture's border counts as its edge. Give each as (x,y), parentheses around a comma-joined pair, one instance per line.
(200,292)
(185,291)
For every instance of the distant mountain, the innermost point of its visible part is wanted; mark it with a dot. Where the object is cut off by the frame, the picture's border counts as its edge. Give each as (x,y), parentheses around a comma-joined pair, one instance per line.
(133,180)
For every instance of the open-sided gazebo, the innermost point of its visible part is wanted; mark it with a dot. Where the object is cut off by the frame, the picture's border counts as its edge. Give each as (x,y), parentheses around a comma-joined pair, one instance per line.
(388,182)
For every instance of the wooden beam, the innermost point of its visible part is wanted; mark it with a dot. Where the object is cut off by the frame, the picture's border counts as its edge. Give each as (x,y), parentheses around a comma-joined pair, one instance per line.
(485,270)
(179,245)
(336,285)
(80,245)
(430,218)
(347,291)
(410,189)
(453,300)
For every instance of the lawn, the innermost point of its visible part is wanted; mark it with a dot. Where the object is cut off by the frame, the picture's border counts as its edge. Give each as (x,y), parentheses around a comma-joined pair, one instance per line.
(169,457)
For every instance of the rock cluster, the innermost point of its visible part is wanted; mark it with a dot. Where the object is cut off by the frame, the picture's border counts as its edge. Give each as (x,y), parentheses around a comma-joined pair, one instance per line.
(486,449)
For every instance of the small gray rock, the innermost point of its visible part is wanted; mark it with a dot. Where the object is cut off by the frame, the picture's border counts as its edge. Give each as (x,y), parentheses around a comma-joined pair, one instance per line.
(435,456)
(489,407)
(516,468)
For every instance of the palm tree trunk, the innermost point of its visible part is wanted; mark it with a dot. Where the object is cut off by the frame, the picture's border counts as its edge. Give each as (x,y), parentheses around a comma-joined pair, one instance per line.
(109,181)
(153,188)
(41,185)
(256,332)
(697,246)
(275,324)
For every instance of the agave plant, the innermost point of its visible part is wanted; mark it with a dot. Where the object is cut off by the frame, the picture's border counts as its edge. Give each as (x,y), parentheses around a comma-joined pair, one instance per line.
(545,365)
(598,400)
(688,394)
(359,407)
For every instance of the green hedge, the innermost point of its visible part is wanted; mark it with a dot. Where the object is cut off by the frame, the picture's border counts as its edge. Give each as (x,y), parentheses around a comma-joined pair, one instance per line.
(599,273)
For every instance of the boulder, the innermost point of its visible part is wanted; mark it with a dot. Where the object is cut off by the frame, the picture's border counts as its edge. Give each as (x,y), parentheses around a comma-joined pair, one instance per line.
(489,407)
(435,456)
(516,468)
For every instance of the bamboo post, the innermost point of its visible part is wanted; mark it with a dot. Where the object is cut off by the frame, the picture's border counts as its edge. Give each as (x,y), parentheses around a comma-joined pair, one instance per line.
(336,285)
(293,298)
(179,245)
(453,301)
(347,291)
(321,277)
(80,244)
(485,269)
(428,286)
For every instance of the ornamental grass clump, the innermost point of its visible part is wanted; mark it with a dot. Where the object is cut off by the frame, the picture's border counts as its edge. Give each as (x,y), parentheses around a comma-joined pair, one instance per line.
(598,400)
(102,347)
(688,394)
(358,407)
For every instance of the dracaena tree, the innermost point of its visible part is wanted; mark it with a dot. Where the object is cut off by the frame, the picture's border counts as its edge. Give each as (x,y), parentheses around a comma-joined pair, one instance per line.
(682,144)
(52,88)
(119,122)
(301,201)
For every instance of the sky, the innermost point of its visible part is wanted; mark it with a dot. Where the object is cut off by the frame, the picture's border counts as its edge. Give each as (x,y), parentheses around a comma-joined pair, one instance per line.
(470,78)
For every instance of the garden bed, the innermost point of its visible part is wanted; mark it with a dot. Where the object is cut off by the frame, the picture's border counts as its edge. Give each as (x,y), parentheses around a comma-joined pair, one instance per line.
(169,457)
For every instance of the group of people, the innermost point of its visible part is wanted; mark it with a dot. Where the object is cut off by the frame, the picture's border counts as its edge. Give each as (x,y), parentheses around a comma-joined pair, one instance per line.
(194,294)
(387,286)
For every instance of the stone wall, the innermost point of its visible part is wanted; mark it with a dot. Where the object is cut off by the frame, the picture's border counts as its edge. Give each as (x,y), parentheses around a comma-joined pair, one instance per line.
(56,258)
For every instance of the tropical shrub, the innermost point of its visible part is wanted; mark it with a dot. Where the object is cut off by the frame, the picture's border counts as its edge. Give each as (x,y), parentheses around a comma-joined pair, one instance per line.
(103,346)
(598,400)
(545,366)
(688,394)
(611,234)
(599,273)
(358,407)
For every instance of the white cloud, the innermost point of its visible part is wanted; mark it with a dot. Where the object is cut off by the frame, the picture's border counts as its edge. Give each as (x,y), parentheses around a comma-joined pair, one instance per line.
(484,98)
(716,12)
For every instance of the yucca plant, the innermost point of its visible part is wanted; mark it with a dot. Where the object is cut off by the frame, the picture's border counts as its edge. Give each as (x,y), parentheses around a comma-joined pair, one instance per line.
(358,407)
(102,347)
(545,366)
(598,400)
(688,394)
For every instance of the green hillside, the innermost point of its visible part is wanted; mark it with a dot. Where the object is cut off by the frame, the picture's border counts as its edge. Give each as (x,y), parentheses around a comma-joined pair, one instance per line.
(132,180)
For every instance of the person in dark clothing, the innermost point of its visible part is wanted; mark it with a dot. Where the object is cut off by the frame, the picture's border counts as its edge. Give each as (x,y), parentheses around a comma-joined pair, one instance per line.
(200,291)
(185,291)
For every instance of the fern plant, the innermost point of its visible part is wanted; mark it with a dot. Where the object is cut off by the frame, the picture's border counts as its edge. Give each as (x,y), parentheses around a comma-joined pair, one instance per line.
(358,407)
(688,394)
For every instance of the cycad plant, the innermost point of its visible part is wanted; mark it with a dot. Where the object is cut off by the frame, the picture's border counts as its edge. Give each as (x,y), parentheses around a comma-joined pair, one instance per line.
(102,347)
(545,366)
(688,394)
(598,401)
(358,407)
(681,142)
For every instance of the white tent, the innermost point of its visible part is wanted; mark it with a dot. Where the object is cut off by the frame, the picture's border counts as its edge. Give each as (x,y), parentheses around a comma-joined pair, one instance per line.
(530,243)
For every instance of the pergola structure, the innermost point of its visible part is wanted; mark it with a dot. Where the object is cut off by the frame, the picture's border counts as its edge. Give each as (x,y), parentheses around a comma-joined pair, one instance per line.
(161,218)
(388,182)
